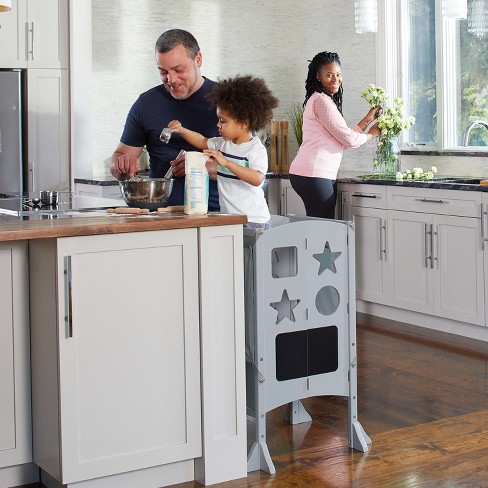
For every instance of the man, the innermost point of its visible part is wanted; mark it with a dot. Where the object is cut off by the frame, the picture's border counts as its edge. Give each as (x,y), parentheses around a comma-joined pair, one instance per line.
(181,96)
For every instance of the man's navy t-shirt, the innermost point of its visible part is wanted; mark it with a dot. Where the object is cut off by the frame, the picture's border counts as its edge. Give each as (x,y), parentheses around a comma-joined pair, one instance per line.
(151,112)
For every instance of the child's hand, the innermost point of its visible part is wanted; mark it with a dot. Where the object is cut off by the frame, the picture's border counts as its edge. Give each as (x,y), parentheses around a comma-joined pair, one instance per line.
(175,126)
(218,156)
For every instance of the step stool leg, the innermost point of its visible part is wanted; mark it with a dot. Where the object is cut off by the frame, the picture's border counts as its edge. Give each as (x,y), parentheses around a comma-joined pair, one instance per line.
(360,439)
(295,413)
(259,459)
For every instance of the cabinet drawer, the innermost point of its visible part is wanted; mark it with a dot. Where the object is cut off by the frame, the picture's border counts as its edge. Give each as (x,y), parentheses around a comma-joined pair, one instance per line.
(439,202)
(373,196)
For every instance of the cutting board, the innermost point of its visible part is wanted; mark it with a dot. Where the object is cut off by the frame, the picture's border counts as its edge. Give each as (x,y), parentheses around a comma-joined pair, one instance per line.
(284,156)
(139,211)
(274,166)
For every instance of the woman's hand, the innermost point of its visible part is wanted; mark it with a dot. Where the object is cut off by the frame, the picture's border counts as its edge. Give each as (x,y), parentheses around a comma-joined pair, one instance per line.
(370,116)
(374,131)
(373,114)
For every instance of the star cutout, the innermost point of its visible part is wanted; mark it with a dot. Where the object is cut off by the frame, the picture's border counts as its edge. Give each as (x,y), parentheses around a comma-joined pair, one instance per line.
(326,259)
(285,308)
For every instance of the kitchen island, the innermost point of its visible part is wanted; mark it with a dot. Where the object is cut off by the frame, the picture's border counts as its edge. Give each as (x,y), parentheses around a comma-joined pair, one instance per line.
(137,346)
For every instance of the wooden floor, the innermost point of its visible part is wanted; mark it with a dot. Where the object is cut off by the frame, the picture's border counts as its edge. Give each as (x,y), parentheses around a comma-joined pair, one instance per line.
(423,403)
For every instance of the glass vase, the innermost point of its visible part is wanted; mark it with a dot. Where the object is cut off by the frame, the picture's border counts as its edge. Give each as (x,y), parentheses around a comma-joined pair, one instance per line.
(386,157)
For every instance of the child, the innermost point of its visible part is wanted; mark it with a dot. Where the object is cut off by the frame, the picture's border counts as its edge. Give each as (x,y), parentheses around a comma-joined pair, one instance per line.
(244,105)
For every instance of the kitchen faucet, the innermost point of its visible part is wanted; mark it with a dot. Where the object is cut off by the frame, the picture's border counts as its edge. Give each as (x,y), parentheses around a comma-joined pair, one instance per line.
(470,126)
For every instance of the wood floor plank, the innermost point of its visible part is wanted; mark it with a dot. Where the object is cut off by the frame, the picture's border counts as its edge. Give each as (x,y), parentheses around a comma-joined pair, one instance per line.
(423,403)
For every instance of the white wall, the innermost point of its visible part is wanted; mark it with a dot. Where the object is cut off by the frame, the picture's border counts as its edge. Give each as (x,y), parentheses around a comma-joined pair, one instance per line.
(270,38)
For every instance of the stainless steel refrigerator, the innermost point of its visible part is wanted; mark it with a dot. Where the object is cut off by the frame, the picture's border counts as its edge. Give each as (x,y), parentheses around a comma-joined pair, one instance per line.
(13,137)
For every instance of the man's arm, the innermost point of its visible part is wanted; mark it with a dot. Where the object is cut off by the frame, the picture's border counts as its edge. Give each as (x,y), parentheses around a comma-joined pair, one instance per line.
(125,161)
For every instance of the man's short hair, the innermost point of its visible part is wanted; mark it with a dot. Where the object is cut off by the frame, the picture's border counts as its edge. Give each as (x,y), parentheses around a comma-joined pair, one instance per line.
(170,39)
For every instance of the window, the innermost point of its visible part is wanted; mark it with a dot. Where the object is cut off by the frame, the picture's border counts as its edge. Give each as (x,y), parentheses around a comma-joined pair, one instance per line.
(442,67)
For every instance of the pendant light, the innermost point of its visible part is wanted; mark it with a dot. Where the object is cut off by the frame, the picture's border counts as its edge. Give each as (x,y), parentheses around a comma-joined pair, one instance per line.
(5,5)
(366,16)
(454,9)
(478,18)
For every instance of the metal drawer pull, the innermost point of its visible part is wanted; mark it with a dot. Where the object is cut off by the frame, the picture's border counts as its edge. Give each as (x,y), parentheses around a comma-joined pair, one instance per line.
(363,195)
(31,50)
(68,298)
(381,239)
(428,200)
(483,216)
(427,238)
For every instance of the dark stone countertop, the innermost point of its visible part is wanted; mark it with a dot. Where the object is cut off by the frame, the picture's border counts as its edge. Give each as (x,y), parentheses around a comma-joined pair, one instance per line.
(440,182)
(467,183)
(98,181)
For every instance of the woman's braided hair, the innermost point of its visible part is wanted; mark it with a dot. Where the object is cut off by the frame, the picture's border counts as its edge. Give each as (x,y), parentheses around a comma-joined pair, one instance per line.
(312,84)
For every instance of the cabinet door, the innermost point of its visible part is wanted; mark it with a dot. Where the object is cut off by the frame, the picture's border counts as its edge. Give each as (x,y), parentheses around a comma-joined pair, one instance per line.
(12,36)
(274,195)
(458,266)
(15,420)
(34,34)
(47,34)
(484,246)
(129,361)
(410,274)
(371,257)
(291,203)
(48,129)
(342,202)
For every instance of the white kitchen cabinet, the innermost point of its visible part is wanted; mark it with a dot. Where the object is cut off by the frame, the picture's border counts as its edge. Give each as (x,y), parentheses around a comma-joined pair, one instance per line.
(371,254)
(342,202)
(116,363)
(34,34)
(484,245)
(48,129)
(101,191)
(290,202)
(436,259)
(368,212)
(274,195)
(409,238)
(15,411)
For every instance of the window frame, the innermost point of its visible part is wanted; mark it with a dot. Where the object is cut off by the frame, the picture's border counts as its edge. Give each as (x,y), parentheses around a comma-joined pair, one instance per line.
(392,72)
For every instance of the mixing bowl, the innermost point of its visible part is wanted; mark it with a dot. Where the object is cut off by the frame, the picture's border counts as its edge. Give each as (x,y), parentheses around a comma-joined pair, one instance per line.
(150,193)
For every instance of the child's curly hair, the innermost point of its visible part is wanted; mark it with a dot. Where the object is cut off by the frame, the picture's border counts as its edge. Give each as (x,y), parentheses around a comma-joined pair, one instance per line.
(247,99)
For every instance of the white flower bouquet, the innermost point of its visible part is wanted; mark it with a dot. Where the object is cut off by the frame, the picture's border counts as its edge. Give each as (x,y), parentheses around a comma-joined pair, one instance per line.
(391,123)
(374,95)
(416,174)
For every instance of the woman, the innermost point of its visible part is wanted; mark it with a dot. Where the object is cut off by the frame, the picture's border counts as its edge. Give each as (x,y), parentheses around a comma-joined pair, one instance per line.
(313,172)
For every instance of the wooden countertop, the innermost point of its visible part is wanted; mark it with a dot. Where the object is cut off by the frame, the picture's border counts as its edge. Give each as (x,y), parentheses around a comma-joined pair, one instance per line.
(15,230)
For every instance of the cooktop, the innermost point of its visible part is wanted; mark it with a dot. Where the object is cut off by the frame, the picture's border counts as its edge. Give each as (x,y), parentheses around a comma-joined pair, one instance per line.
(68,206)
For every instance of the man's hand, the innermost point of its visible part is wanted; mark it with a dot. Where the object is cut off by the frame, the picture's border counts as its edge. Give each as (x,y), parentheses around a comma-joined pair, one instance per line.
(124,165)
(179,164)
